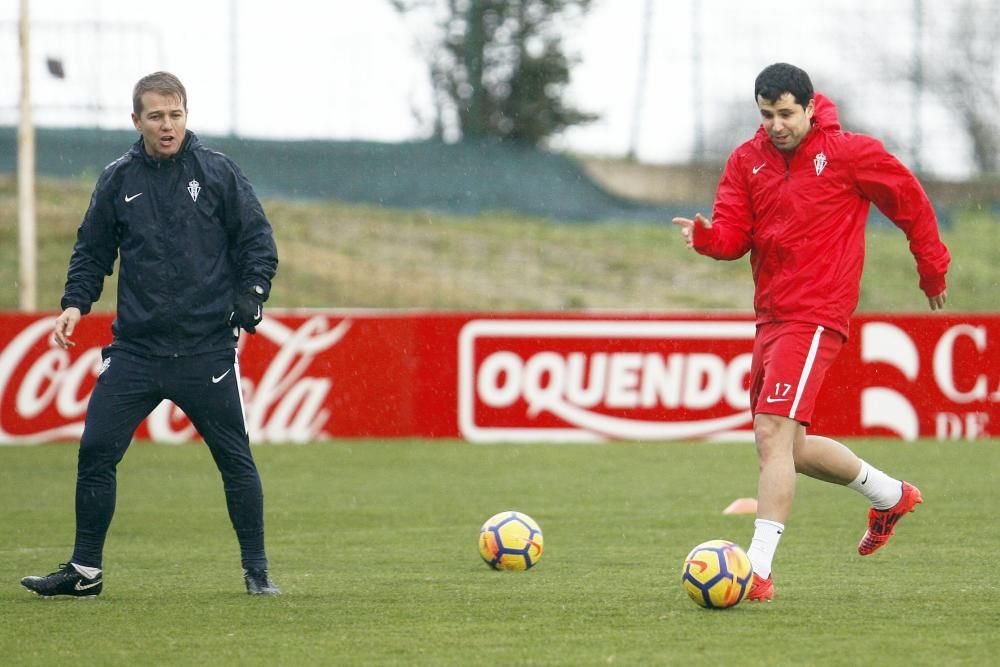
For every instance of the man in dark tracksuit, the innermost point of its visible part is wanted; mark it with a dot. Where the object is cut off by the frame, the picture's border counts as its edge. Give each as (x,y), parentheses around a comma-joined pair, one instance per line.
(197,259)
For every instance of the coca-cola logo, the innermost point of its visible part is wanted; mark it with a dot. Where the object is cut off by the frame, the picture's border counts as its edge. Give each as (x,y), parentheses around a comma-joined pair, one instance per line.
(44,390)
(43,380)
(592,380)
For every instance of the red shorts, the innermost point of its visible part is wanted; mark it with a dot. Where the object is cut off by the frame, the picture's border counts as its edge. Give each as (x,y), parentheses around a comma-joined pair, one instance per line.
(790,360)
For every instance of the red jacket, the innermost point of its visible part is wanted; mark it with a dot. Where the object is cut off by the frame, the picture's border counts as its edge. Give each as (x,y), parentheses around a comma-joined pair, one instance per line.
(802,218)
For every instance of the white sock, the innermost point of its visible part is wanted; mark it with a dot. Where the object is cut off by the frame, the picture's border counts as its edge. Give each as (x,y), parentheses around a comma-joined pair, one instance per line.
(89,572)
(883,491)
(765,542)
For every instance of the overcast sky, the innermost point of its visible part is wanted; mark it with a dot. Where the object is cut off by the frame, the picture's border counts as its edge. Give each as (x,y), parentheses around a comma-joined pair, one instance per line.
(354,69)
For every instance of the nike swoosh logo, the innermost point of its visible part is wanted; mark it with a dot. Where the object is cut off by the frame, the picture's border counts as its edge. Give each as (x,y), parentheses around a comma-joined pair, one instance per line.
(128,199)
(217,380)
(771,399)
(759,167)
(80,586)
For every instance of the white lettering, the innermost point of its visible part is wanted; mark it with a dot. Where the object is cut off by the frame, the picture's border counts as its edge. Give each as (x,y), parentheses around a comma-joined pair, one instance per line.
(662,381)
(293,402)
(975,425)
(587,393)
(944,356)
(53,379)
(41,383)
(49,380)
(948,426)
(299,416)
(71,402)
(544,381)
(704,380)
(499,380)
(623,380)
(971,425)
(737,394)
(286,406)
(168,423)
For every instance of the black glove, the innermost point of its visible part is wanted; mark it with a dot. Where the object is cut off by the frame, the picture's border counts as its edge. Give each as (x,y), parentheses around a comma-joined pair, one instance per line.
(248,310)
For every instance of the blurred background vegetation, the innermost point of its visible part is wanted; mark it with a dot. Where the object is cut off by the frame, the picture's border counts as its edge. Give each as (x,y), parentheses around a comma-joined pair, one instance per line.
(490,209)
(342,255)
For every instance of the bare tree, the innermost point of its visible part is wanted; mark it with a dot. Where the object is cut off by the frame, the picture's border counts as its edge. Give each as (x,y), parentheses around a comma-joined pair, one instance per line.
(965,73)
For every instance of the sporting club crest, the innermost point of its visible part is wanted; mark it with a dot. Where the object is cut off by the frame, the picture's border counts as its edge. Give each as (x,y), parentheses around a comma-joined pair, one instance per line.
(820,163)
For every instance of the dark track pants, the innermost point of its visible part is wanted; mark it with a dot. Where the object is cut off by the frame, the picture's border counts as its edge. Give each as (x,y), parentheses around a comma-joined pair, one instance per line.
(207,388)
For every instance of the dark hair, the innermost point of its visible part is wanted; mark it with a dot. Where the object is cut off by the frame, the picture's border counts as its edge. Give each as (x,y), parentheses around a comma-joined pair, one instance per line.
(780,78)
(163,83)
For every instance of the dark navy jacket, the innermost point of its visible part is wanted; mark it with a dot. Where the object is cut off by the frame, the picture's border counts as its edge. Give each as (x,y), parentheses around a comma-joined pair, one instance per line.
(190,232)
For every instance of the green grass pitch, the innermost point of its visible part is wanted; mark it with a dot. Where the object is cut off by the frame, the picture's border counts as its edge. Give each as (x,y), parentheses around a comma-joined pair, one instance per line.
(375,545)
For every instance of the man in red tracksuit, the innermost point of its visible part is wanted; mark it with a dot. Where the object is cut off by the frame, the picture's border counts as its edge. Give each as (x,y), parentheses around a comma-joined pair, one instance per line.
(796,197)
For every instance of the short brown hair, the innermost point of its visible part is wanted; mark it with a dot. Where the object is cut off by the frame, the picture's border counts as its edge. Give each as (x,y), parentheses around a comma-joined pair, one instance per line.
(163,83)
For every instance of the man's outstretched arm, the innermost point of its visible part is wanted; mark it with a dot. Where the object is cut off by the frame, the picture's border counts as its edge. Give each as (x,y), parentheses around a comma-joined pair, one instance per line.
(687,226)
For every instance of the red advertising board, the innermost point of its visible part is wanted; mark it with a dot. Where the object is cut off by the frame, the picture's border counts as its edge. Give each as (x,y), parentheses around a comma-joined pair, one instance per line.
(527,377)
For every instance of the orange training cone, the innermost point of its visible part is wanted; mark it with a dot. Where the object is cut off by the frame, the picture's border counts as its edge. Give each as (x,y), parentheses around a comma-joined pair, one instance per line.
(742,506)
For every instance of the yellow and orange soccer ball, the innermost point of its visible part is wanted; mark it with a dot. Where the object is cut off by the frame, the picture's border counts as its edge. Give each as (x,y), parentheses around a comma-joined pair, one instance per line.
(717,574)
(510,541)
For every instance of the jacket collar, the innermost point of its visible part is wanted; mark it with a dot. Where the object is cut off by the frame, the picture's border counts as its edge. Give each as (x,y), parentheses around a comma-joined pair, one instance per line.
(191,142)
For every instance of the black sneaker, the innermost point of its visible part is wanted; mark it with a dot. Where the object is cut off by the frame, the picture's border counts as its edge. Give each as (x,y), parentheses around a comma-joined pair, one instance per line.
(259,582)
(67,580)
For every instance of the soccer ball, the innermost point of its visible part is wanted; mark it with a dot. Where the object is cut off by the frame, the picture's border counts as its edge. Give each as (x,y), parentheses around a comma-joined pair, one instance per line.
(717,574)
(510,541)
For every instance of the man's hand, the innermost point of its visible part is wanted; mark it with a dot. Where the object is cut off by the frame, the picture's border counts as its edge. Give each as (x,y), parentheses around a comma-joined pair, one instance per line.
(65,325)
(937,302)
(687,227)
(247,311)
